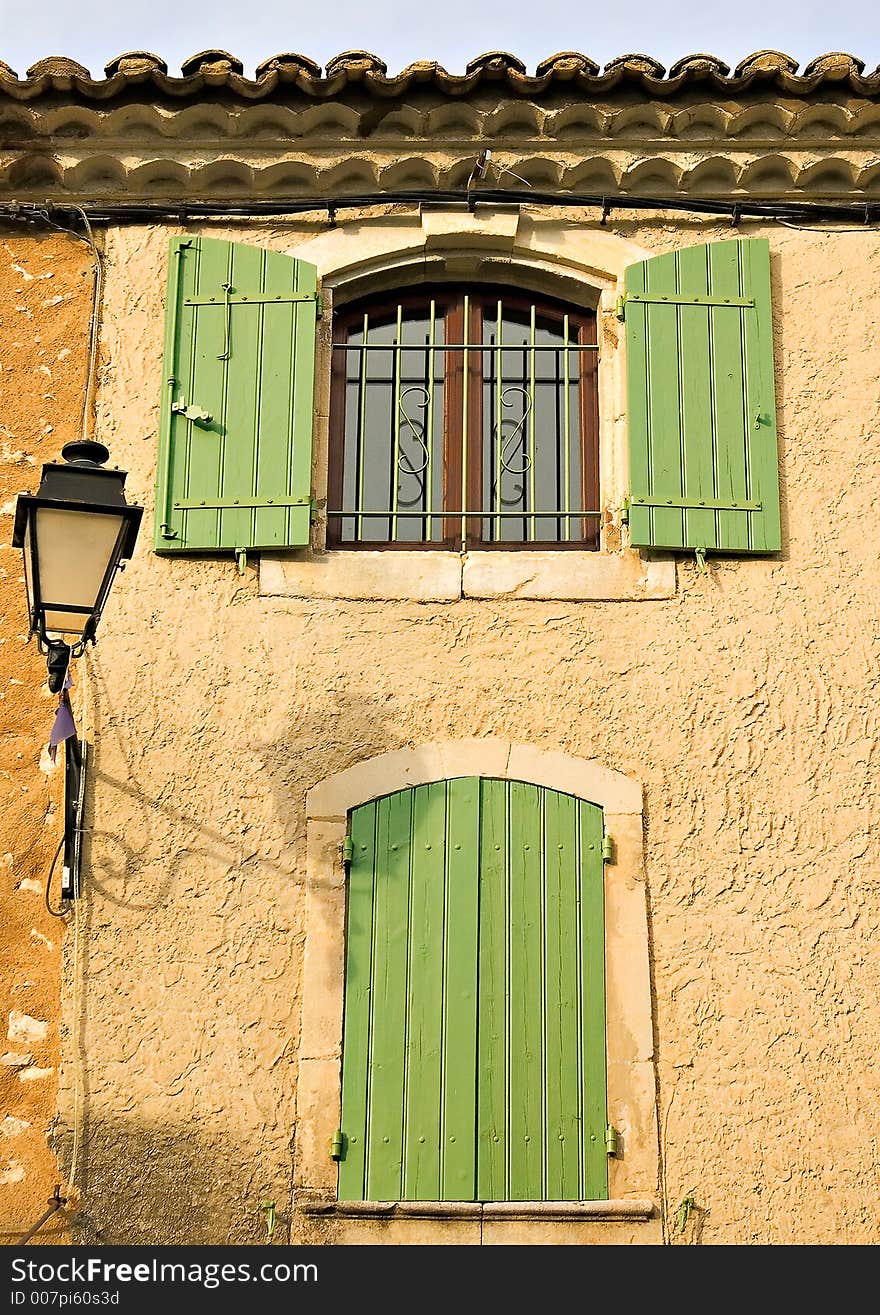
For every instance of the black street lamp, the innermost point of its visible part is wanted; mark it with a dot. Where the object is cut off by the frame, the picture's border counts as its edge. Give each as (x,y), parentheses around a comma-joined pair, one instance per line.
(75,532)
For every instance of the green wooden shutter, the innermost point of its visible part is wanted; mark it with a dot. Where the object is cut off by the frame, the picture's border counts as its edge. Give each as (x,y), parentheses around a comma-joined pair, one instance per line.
(474,1034)
(701,403)
(239,349)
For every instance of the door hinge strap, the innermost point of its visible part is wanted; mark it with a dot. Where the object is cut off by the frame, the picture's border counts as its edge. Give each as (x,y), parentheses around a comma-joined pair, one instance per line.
(672,299)
(689,504)
(241,503)
(232,300)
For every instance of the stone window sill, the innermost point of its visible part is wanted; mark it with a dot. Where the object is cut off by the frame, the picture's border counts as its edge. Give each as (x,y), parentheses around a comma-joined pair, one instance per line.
(542,1210)
(447,577)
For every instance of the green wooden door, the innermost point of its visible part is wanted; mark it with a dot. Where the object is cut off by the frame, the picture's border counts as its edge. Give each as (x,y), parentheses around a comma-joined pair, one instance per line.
(474,1042)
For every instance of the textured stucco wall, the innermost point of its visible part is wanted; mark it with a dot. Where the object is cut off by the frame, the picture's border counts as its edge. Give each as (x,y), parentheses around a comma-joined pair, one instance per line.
(746,705)
(45,303)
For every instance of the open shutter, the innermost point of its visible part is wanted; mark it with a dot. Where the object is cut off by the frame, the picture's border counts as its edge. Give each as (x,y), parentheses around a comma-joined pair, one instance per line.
(235,438)
(701,402)
(474,1034)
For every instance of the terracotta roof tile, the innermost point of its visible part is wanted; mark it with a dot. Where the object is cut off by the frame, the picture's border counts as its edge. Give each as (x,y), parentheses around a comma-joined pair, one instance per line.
(135,61)
(836,64)
(765,61)
(567,61)
(495,61)
(213,70)
(356,63)
(636,64)
(700,64)
(211,61)
(289,65)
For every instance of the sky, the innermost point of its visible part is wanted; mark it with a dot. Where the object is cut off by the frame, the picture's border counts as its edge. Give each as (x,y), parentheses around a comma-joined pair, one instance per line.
(449,31)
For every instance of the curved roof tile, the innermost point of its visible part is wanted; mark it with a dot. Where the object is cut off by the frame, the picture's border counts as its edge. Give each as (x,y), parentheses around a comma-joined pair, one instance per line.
(217,69)
(494,61)
(565,62)
(57,66)
(699,64)
(765,61)
(211,61)
(357,62)
(290,65)
(835,63)
(628,64)
(135,61)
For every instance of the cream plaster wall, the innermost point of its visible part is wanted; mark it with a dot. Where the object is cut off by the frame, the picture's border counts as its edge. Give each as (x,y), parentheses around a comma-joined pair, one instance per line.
(745,704)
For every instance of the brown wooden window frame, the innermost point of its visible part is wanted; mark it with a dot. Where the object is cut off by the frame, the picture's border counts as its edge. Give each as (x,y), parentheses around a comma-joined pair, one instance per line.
(582,333)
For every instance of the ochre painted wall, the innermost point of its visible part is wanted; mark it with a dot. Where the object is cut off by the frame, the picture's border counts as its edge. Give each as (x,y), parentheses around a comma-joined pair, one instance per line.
(45,305)
(747,705)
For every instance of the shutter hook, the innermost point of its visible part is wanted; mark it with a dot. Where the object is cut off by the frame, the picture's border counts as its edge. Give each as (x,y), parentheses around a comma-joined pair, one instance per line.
(701,561)
(227,288)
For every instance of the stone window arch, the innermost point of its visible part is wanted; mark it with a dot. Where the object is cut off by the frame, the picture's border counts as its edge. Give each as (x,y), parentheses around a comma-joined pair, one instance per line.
(539,254)
(633,1171)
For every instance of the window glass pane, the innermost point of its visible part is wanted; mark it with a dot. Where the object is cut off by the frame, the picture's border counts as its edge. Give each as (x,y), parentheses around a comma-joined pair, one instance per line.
(531,426)
(530,422)
(393,436)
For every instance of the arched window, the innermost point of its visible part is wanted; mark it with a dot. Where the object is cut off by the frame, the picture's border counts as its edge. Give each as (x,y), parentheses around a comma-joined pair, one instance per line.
(464,417)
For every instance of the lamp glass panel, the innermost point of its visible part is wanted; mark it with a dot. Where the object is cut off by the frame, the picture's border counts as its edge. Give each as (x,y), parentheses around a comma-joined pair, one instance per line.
(74,550)
(28,570)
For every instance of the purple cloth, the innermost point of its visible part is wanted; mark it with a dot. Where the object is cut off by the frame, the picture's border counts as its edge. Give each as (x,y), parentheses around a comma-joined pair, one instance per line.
(63,726)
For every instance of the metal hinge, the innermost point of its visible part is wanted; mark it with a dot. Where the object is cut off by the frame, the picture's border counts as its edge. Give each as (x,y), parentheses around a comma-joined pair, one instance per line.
(612,1140)
(347,852)
(250,299)
(607,848)
(191,412)
(673,299)
(691,504)
(319,306)
(337,1145)
(624,512)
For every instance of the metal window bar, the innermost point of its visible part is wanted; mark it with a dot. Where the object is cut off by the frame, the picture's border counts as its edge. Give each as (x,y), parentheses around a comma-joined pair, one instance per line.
(498,427)
(429,419)
(494,513)
(465,410)
(566,430)
(532,418)
(362,433)
(396,406)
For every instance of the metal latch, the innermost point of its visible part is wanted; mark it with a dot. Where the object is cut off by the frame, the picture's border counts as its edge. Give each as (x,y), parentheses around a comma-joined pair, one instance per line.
(612,1140)
(191,412)
(337,1145)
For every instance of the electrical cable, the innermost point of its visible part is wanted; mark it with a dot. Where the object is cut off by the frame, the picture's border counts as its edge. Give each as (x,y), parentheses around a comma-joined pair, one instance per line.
(93,325)
(56,913)
(74,1020)
(866,213)
(55,1204)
